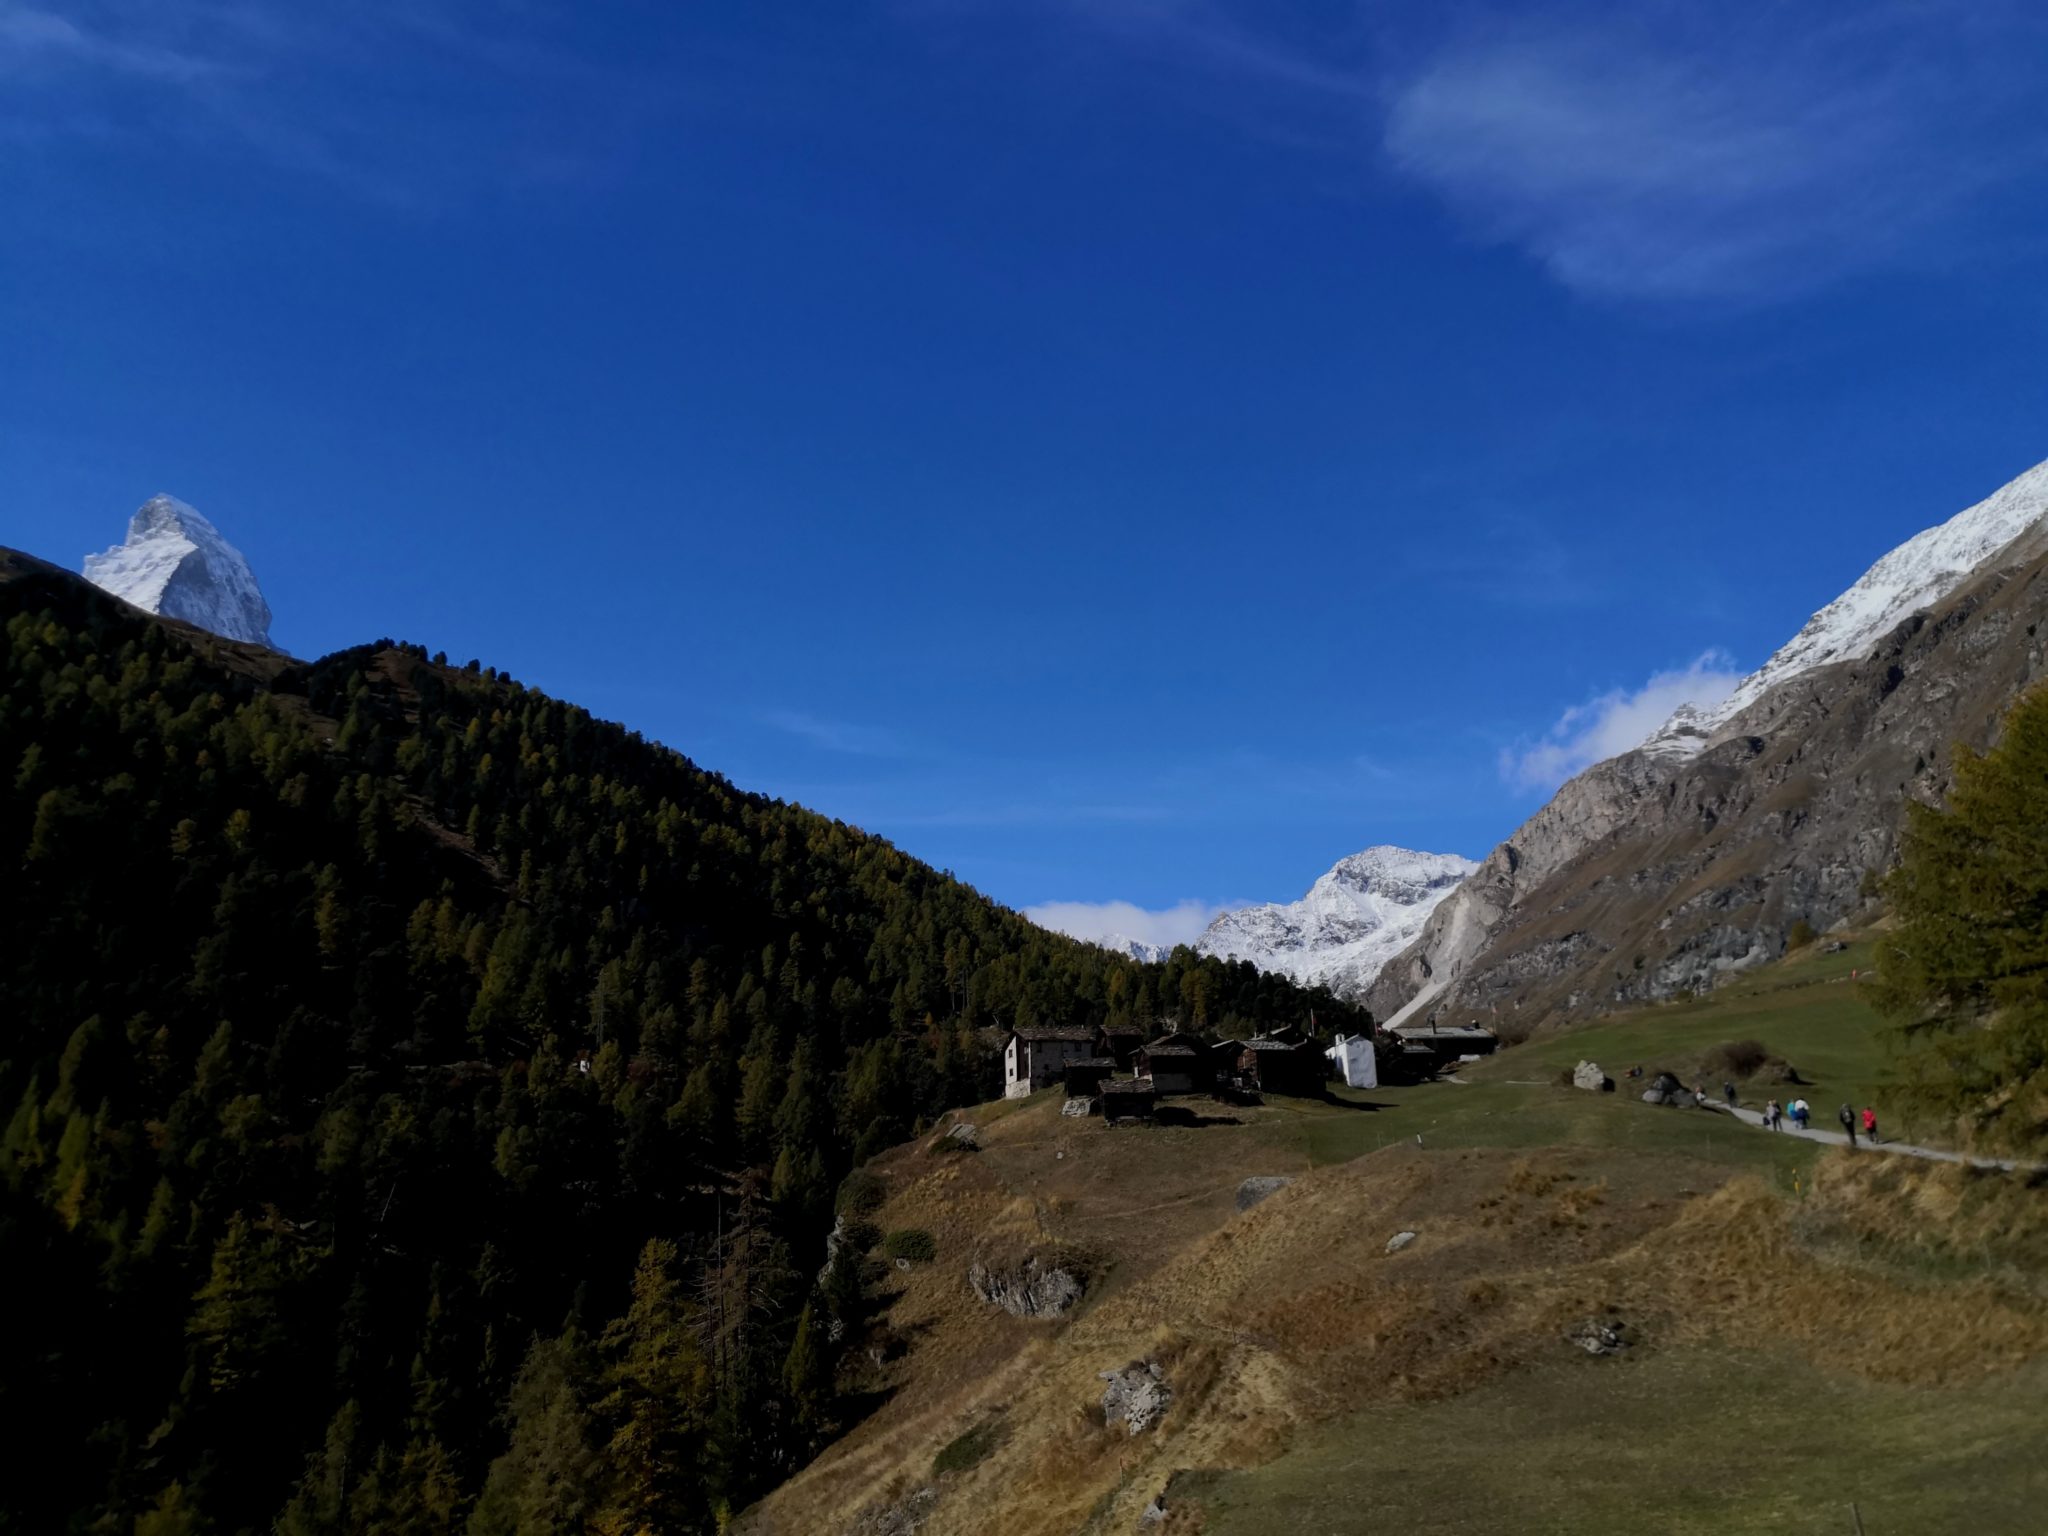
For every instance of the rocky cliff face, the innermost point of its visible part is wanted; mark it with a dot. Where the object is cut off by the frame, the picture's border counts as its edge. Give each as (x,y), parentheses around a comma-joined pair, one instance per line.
(1351,922)
(1659,870)
(176,563)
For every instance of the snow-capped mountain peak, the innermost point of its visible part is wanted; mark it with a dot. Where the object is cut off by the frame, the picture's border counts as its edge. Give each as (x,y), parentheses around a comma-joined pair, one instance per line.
(1137,949)
(1920,572)
(1353,920)
(178,564)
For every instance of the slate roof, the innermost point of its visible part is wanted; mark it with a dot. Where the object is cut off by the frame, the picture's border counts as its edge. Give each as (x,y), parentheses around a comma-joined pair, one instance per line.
(1071,1032)
(1424,1034)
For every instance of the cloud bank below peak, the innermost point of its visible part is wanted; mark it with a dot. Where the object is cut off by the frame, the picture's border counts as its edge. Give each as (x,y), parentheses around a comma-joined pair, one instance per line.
(1616,721)
(1181,923)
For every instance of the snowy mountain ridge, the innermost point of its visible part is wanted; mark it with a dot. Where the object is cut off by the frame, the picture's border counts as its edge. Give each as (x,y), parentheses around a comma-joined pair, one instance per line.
(1920,572)
(176,563)
(1137,949)
(1353,920)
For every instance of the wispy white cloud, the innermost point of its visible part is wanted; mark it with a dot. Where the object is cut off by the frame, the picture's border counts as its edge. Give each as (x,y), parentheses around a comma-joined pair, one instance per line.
(35,37)
(1616,721)
(1637,153)
(285,83)
(851,737)
(1181,923)
(1656,149)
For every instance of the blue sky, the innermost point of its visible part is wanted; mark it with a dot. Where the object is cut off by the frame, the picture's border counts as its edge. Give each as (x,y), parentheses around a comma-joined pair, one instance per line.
(1125,451)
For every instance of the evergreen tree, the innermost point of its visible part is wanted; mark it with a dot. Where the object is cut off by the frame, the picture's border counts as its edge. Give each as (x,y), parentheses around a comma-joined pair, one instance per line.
(1964,973)
(658,1407)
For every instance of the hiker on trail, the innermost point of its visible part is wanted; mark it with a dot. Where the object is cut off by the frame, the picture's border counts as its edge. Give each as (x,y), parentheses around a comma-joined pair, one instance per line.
(1728,1093)
(1870,1125)
(1800,1111)
(1848,1118)
(1771,1114)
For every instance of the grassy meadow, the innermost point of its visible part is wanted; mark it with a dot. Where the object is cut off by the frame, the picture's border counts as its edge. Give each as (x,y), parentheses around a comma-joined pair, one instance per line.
(1813,1328)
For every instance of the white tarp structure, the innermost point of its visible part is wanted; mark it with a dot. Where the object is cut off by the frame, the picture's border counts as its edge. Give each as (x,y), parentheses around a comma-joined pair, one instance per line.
(1355,1059)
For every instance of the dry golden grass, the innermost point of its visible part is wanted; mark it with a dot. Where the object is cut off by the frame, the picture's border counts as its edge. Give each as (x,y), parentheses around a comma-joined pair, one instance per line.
(1293,1314)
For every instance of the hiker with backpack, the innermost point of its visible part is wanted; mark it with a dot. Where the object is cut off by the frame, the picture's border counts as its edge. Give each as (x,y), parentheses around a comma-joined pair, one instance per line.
(1848,1118)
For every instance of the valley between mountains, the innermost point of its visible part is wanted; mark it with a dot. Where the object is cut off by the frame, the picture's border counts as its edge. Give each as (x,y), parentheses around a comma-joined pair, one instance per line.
(433,1108)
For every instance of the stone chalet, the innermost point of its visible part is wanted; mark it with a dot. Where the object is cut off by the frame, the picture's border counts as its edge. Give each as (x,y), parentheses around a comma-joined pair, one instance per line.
(1038,1056)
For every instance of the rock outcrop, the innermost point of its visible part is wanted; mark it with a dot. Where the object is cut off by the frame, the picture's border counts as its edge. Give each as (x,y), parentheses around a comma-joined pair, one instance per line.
(1136,1397)
(1259,1187)
(1041,1286)
(1599,1335)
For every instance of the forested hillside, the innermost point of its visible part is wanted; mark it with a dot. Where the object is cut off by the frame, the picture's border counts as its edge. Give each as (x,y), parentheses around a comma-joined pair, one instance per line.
(426,1102)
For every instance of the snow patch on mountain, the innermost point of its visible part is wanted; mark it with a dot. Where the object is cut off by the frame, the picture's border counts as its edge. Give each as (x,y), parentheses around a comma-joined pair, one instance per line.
(1352,921)
(1919,573)
(1137,949)
(177,564)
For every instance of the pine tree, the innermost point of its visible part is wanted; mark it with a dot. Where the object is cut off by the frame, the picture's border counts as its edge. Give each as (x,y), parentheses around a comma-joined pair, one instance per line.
(173,1514)
(236,1321)
(1964,973)
(658,1407)
(548,1478)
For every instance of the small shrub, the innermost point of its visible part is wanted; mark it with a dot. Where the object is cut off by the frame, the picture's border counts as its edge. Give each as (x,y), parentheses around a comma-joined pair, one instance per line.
(1738,1058)
(1800,935)
(861,1193)
(912,1243)
(969,1450)
(860,1236)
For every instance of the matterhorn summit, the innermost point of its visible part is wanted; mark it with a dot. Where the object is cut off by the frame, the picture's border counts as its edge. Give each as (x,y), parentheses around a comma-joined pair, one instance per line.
(176,563)
(1352,921)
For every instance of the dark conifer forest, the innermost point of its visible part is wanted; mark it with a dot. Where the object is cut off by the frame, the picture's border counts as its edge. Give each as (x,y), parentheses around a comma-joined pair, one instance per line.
(426,1104)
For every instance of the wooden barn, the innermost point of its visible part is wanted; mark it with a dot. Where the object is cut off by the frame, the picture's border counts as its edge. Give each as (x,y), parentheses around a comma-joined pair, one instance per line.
(1127,1100)
(1176,1063)
(1121,1045)
(1226,1069)
(1086,1077)
(1448,1043)
(1284,1066)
